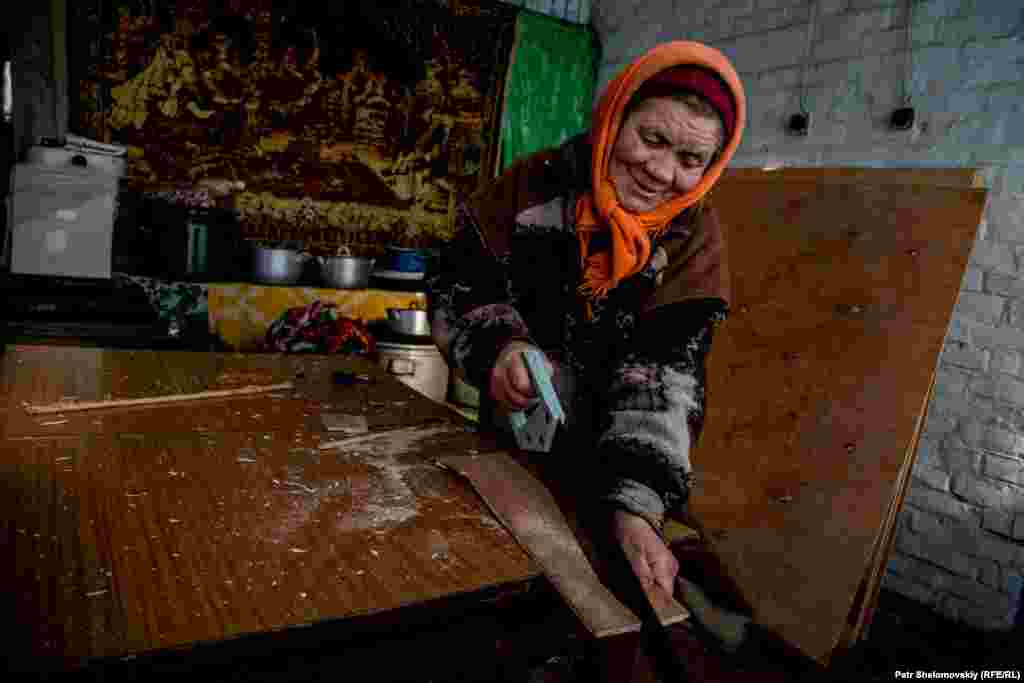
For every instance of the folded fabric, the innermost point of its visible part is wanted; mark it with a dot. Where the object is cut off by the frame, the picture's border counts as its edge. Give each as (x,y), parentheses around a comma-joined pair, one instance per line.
(317,328)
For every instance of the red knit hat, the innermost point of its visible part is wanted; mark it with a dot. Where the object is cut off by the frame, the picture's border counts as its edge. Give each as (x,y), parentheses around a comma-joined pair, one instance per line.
(695,79)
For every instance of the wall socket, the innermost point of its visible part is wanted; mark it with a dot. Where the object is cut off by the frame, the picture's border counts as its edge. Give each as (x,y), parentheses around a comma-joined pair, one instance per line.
(902,118)
(799,124)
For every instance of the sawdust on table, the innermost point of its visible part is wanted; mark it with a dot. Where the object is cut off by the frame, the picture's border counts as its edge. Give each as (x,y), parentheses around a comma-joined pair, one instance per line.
(380,500)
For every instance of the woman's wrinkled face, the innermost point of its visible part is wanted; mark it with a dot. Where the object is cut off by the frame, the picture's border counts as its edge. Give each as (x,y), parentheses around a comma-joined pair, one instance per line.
(662,151)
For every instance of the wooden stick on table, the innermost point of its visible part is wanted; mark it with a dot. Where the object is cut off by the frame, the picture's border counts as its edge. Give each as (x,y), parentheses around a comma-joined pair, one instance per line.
(68,406)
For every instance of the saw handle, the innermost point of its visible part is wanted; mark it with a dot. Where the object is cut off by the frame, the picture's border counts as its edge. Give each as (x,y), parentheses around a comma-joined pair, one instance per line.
(541,379)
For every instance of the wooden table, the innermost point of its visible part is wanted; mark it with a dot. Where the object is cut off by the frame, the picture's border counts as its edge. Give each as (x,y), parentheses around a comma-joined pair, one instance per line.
(132,532)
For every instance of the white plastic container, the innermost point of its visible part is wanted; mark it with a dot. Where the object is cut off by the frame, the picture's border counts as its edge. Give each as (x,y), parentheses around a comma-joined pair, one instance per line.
(62,214)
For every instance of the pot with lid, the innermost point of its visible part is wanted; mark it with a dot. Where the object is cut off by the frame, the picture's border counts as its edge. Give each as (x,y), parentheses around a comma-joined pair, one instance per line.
(345,271)
(409,322)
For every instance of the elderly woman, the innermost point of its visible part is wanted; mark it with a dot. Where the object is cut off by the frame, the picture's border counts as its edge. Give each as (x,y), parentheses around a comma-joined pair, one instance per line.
(604,255)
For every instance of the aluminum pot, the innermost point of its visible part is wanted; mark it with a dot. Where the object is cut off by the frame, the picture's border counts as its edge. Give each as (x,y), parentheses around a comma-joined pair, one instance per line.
(345,272)
(419,366)
(409,322)
(278,266)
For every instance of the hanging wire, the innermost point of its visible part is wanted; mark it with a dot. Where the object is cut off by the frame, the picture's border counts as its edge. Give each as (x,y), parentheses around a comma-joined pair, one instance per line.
(811,25)
(908,62)
(8,92)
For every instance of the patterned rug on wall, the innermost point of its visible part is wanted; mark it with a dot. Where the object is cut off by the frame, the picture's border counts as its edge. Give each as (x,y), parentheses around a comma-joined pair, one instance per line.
(351,123)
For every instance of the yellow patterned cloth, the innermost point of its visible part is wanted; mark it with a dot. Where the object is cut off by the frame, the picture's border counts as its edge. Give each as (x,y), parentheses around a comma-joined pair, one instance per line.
(240,313)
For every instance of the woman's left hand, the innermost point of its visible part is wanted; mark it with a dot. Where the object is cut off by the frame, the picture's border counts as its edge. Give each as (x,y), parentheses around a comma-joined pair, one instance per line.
(650,558)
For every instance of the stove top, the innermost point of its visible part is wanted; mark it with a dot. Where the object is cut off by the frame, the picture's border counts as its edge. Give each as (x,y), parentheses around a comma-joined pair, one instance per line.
(73,299)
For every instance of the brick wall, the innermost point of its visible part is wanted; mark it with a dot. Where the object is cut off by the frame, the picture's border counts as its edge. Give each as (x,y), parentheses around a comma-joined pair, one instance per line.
(575,11)
(960,546)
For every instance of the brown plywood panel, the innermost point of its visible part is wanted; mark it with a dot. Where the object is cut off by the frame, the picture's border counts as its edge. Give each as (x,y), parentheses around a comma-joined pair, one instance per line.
(842,294)
(867,595)
(962,178)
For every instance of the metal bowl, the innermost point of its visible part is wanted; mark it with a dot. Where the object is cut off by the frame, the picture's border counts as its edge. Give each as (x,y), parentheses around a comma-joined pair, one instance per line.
(406,260)
(411,322)
(345,272)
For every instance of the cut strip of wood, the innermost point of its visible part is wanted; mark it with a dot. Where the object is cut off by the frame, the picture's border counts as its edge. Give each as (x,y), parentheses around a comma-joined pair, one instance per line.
(532,516)
(71,406)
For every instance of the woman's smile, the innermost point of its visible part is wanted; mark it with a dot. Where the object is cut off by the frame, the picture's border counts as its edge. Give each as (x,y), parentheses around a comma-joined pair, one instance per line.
(645,188)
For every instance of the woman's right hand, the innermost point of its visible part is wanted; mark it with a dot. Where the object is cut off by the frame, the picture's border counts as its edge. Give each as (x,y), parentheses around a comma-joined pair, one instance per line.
(511,387)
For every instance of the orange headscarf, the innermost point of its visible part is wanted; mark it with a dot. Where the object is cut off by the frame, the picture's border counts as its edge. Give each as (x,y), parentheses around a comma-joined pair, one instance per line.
(630,234)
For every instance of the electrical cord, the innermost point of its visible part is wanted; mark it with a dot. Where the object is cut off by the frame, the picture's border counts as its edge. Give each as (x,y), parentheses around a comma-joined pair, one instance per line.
(812,22)
(908,64)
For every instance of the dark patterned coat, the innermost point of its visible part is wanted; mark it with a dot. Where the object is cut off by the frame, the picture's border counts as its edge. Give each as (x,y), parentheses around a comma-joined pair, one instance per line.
(512,272)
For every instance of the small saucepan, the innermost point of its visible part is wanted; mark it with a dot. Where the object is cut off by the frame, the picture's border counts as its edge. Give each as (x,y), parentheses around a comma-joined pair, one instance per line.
(410,322)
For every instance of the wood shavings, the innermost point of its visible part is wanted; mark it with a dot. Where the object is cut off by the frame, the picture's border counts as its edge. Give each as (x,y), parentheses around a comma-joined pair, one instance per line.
(297,550)
(52,423)
(93,594)
(394,434)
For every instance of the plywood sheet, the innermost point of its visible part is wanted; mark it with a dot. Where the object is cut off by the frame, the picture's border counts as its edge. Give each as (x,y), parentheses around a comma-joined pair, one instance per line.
(866,598)
(962,178)
(842,294)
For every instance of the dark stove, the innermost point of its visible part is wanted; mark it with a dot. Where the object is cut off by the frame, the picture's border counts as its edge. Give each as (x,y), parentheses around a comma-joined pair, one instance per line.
(100,312)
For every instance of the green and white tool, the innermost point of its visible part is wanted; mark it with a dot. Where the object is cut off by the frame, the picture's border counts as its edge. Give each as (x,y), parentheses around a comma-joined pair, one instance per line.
(535,427)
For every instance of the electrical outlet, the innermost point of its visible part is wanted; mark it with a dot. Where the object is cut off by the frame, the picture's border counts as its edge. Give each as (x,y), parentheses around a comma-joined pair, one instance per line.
(902,119)
(799,124)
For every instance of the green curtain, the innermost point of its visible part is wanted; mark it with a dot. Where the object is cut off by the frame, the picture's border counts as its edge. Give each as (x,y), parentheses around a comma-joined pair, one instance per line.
(549,92)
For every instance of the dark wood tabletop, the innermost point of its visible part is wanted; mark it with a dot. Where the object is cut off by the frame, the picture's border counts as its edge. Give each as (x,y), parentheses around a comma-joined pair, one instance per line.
(134,530)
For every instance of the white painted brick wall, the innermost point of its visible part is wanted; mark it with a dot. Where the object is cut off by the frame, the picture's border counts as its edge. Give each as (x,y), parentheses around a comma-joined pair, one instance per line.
(960,548)
(576,11)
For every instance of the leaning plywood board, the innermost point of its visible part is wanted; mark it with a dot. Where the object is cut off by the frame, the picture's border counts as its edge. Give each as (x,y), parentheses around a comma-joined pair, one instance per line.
(530,512)
(842,294)
(962,178)
(867,595)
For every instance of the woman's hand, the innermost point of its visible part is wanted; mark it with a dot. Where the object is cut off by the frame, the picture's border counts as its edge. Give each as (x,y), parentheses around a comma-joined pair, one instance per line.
(511,387)
(650,558)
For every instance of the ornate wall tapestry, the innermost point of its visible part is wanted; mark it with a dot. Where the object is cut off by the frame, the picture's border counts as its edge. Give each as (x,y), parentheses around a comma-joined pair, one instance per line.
(351,123)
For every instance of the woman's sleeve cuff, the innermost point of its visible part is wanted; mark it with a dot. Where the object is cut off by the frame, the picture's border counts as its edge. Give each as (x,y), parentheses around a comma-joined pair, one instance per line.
(638,499)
